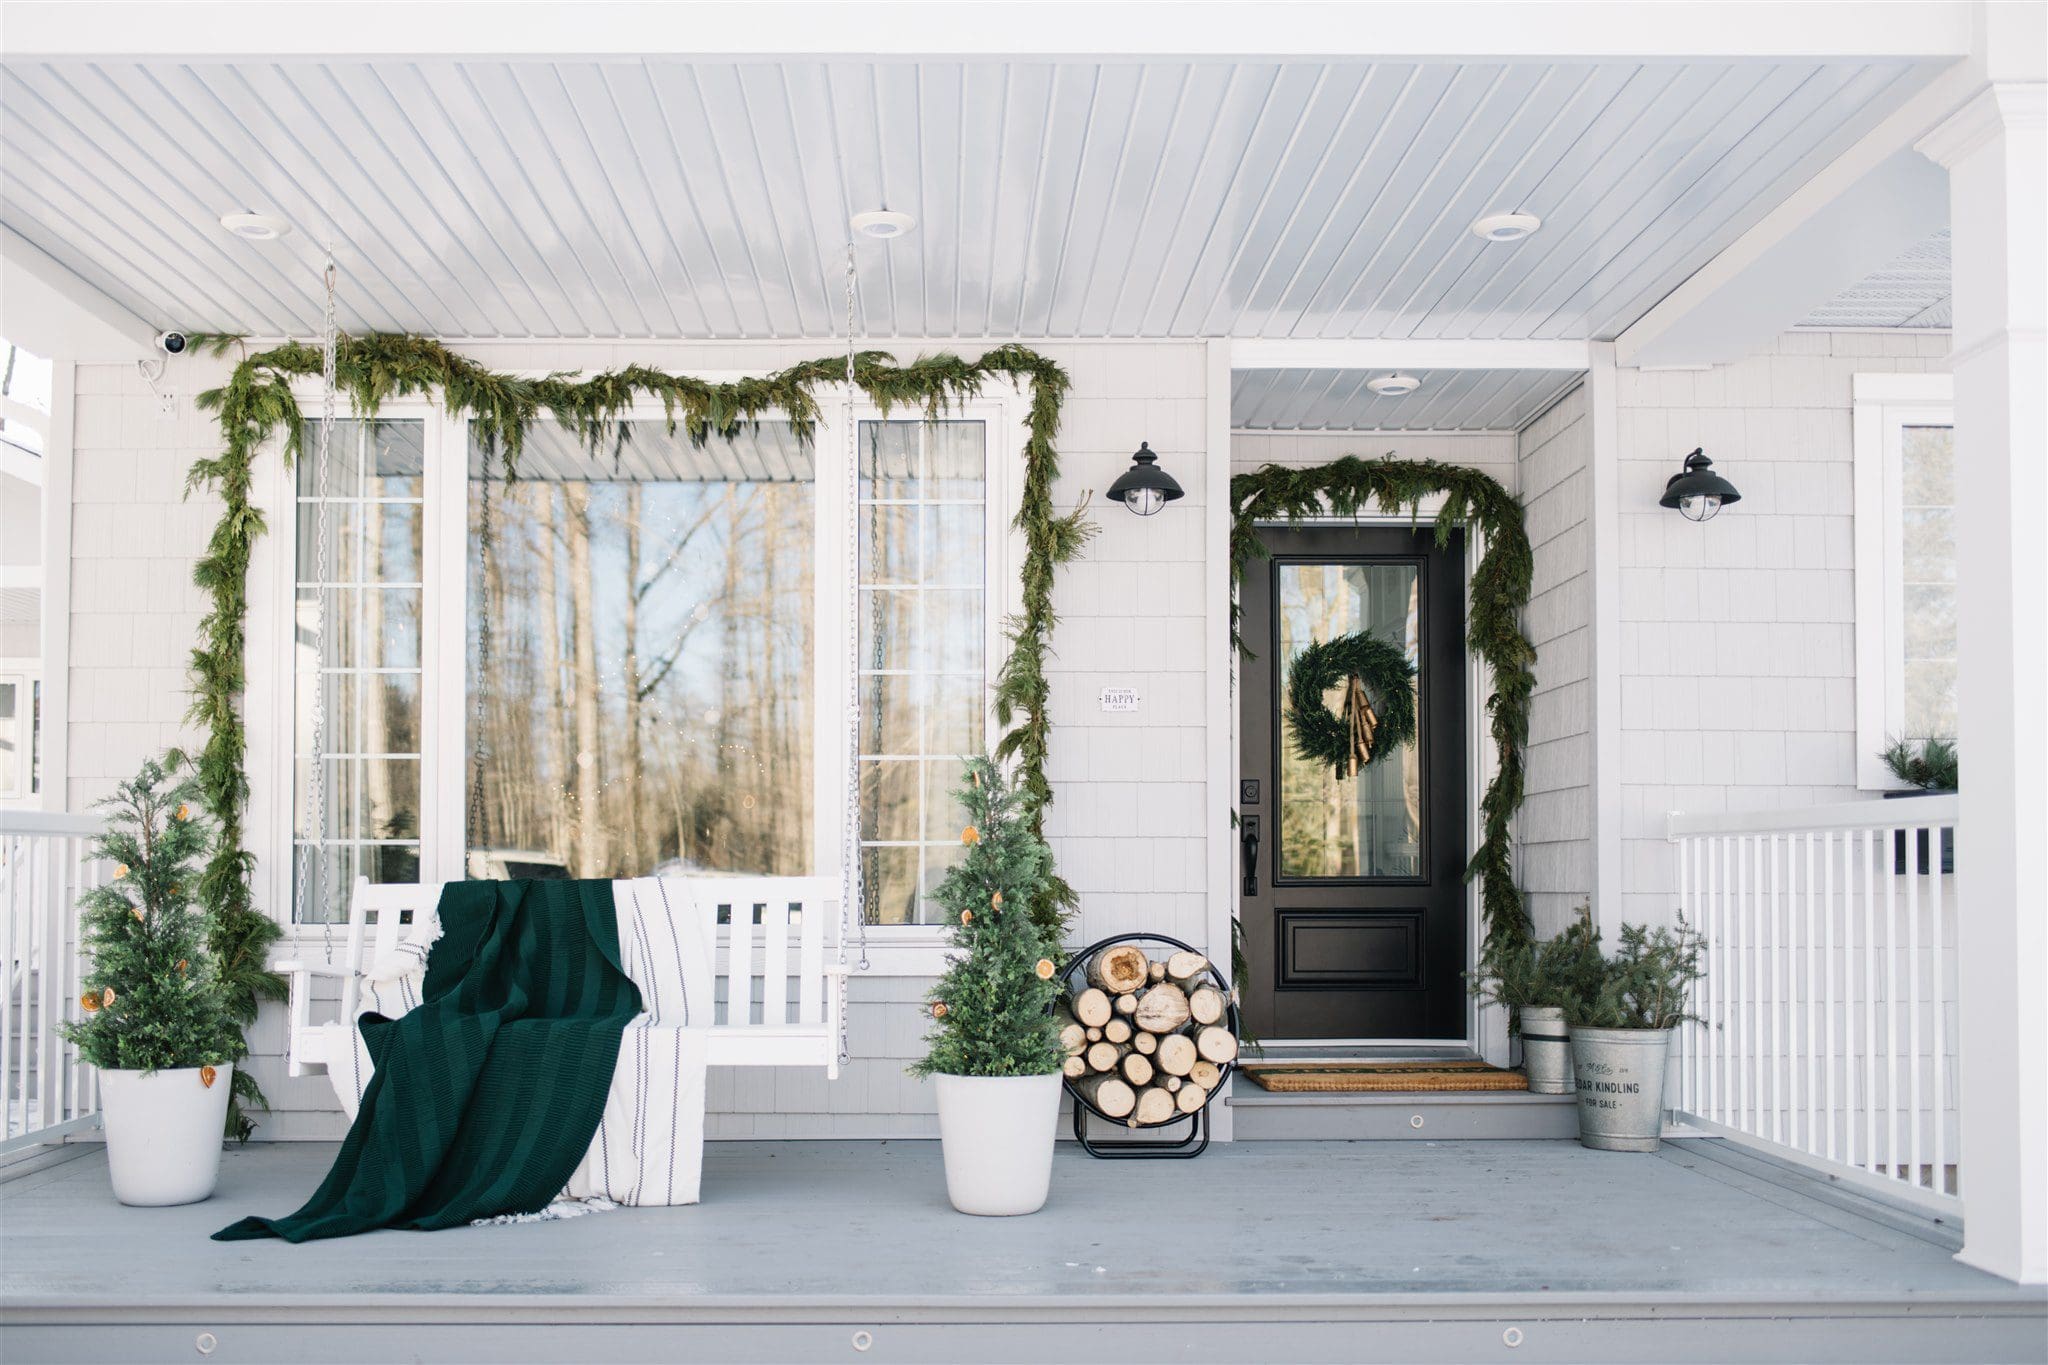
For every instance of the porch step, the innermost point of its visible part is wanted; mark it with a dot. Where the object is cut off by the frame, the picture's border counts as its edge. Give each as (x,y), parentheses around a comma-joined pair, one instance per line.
(1266,1116)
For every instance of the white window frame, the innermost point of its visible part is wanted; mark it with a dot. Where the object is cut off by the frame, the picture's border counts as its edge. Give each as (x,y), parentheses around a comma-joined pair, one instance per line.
(27,676)
(896,950)
(268,702)
(1884,406)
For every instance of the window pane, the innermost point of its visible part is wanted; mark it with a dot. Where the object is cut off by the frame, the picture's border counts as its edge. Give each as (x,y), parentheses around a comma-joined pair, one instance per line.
(380,459)
(889,885)
(11,745)
(921,635)
(1927,552)
(357,648)
(888,629)
(1929,466)
(892,708)
(890,460)
(953,537)
(649,688)
(888,544)
(889,800)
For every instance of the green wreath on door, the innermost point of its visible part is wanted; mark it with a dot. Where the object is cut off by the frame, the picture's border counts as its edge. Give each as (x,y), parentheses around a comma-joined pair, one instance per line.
(1379,702)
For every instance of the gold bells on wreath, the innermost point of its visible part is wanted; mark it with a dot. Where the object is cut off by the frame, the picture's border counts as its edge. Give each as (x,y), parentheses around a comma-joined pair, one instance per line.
(1379,702)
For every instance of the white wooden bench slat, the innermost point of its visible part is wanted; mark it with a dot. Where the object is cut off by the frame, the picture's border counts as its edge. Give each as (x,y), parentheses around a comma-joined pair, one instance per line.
(381,917)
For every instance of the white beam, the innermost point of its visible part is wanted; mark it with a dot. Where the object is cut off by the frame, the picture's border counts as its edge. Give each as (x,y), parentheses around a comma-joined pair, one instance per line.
(1280,353)
(1685,30)
(1996,152)
(48,309)
(1865,207)
(1603,410)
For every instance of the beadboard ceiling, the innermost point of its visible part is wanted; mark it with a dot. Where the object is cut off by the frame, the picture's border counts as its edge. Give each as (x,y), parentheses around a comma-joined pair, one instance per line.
(1445,400)
(1061,199)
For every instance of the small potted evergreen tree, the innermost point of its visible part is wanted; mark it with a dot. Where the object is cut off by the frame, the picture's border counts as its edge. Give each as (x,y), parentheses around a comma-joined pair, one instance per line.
(1621,1036)
(994,1046)
(1541,982)
(156,1020)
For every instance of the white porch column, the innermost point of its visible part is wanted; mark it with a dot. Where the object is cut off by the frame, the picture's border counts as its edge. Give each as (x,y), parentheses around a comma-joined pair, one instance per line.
(1996,152)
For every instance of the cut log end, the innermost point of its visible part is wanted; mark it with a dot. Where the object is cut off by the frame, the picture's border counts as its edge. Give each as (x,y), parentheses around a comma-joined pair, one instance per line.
(1205,1005)
(1127,1004)
(1153,1106)
(1176,1055)
(1117,1031)
(1207,1075)
(1185,967)
(1161,1009)
(1074,1067)
(1189,1099)
(1109,1095)
(1137,1069)
(1218,1045)
(1103,1056)
(1120,968)
(1091,1007)
(1146,1043)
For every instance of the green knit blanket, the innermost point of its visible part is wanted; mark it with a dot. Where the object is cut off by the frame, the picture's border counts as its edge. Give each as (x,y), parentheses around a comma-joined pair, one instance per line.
(485,1097)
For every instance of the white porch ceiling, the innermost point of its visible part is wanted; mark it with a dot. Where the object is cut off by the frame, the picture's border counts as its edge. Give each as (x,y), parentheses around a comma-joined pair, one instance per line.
(1912,291)
(673,198)
(1446,400)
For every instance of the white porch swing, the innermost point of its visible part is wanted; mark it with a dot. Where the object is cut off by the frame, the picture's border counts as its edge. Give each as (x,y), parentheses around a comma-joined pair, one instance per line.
(775,952)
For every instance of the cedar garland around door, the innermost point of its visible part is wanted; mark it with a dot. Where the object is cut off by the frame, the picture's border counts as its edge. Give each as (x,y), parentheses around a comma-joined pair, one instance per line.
(256,405)
(1499,592)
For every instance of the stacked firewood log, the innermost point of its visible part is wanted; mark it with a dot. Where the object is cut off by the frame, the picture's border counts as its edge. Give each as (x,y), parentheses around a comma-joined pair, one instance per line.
(1146,1040)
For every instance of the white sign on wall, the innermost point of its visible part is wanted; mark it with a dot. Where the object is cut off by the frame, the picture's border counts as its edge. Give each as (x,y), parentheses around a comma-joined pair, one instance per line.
(1119,698)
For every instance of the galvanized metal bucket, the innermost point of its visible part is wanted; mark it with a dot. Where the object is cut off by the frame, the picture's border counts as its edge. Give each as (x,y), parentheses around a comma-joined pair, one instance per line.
(1620,1073)
(1546,1050)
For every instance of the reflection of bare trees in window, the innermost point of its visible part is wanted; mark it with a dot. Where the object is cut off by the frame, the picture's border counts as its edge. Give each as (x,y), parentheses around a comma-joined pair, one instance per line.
(650,700)
(1368,825)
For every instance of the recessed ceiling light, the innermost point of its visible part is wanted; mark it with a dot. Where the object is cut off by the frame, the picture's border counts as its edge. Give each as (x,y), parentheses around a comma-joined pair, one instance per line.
(1506,227)
(1393,385)
(882,224)
(255,227)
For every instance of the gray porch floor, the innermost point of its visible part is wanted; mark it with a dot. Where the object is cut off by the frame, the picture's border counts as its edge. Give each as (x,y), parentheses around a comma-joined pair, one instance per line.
(797,1245)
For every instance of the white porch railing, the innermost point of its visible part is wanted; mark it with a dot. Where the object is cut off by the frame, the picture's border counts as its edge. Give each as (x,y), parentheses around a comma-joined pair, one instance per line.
(1830,987)
(44,869)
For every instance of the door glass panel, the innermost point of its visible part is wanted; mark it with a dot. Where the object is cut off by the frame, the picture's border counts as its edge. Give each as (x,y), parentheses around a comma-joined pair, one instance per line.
(1369,825)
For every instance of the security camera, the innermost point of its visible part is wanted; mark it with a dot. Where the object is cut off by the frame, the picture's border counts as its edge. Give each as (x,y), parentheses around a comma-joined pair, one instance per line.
(172,343)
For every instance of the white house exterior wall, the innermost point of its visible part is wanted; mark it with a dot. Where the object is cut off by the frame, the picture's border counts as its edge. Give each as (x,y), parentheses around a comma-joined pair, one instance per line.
(1128,826)
(1738,635)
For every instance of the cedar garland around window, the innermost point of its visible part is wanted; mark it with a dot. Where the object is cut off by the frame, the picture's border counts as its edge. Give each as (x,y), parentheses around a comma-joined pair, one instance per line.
(256,404)
(1499,592)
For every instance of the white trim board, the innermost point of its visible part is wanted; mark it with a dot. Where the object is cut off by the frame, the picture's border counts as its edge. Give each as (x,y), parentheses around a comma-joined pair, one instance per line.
(1882,406)
(1556,29)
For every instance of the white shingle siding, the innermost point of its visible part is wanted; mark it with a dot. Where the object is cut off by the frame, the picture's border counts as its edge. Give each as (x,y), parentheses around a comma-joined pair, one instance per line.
(1554,835)
(1738,636)
(1129,825)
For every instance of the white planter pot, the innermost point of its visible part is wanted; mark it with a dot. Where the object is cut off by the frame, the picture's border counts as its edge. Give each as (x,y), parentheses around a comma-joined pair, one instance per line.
(997,1132)
(1546,1050)
(164,1133)
(1621,1086)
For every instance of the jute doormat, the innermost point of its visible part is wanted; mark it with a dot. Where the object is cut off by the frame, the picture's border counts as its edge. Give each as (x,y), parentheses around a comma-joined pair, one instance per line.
(1382,1077)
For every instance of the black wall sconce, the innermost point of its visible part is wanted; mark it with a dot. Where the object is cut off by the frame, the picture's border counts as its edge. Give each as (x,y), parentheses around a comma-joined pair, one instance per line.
(1699,492)
(1145,487)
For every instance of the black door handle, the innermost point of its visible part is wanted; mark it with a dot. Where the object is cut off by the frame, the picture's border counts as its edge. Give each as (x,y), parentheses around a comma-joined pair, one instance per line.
(1248,840)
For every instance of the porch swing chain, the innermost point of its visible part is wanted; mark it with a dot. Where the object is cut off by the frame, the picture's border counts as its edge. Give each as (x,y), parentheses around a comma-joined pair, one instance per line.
(852,912)
(316,780)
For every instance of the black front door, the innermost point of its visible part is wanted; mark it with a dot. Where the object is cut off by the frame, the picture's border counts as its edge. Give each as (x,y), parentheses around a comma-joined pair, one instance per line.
(1353,890)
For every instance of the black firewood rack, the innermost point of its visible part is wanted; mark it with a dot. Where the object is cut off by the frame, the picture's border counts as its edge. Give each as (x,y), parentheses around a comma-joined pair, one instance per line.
(1163,1145)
